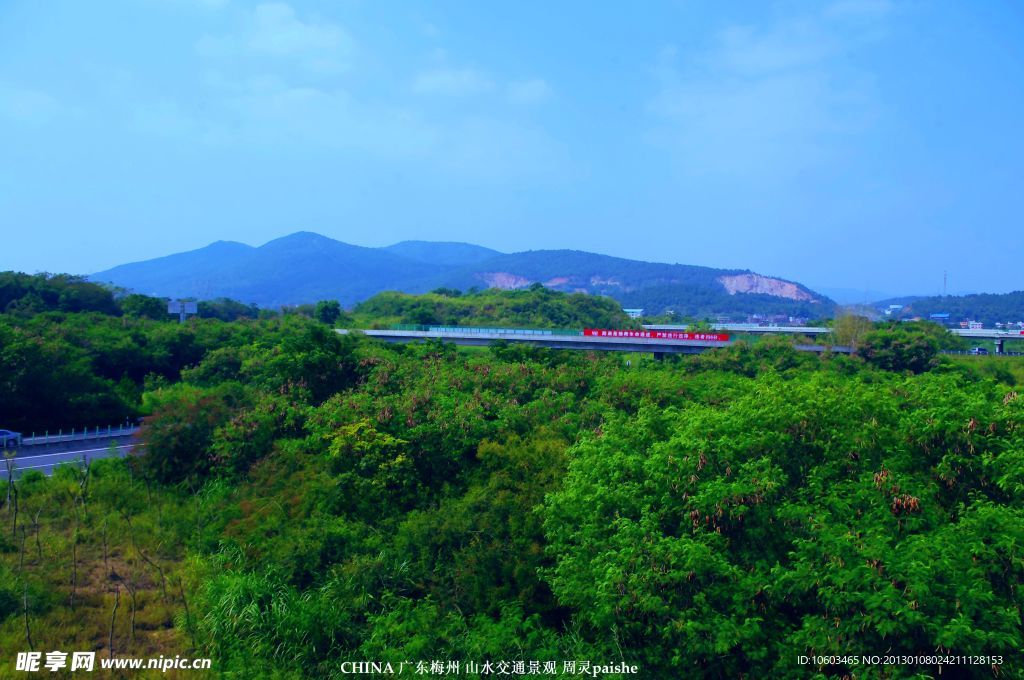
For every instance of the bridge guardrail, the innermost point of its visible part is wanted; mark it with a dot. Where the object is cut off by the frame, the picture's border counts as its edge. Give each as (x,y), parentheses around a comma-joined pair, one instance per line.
(988,354)
(492,331)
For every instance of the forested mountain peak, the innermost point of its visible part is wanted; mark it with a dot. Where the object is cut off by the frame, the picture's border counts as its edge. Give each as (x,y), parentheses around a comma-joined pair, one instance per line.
(442,252)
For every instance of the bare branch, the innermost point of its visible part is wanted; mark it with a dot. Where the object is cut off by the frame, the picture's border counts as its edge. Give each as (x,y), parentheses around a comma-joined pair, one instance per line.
(113,616)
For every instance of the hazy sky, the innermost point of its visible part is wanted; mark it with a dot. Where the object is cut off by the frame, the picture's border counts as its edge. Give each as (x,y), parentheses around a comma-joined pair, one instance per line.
(858,143)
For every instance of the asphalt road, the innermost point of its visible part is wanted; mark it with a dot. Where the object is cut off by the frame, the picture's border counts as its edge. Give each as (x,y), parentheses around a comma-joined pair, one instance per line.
(46,462)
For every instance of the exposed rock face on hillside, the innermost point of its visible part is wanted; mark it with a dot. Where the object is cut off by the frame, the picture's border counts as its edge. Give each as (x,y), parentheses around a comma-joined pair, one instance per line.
(755,283)
(504,280)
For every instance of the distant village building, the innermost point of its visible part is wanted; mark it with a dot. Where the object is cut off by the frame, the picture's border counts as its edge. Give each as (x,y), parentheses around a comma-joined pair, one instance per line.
(941,318)
(769,320)
(634,313)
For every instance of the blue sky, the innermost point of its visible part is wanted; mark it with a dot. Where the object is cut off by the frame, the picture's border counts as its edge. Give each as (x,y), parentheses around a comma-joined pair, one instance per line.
(863,144)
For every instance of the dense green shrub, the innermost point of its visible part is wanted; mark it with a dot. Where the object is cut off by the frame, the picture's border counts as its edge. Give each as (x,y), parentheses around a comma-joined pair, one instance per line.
(314,498)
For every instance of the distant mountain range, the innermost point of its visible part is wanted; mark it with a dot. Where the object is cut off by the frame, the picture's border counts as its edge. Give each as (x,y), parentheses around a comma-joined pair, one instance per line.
(853,296)
(306,267)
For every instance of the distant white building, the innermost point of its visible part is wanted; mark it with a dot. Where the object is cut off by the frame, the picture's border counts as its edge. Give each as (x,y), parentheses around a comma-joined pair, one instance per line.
(634,313)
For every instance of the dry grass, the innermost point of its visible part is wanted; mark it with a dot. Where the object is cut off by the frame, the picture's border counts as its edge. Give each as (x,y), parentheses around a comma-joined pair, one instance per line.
(73,588)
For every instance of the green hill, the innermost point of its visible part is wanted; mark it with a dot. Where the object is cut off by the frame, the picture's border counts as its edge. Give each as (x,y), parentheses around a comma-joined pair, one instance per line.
(988,308)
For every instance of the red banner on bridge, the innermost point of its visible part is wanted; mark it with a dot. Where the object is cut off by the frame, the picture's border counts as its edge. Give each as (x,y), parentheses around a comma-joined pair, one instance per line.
(656,335)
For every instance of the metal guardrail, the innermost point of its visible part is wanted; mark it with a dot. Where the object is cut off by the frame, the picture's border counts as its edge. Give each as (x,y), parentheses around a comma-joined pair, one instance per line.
(84,434)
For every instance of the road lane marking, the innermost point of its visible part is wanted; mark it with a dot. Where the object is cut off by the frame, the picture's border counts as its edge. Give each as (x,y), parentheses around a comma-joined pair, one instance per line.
(72,453)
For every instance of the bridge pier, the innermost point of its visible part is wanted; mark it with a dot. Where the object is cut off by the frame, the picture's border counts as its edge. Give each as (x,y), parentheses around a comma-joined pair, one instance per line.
(999,346)
(659,356)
